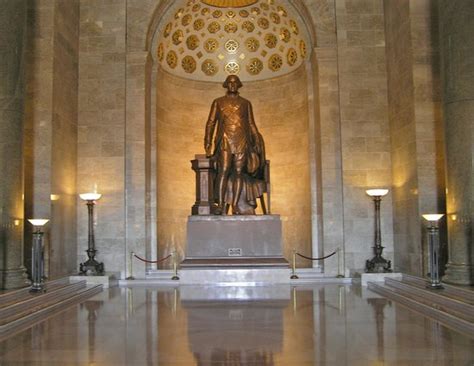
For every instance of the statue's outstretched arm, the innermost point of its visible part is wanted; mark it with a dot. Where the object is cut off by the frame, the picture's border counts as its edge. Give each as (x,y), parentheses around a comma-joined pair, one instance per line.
(210,126)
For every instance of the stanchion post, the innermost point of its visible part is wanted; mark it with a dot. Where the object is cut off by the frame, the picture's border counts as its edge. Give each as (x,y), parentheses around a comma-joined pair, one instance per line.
(175,267)
(130,266)
(340,274)
(293,267)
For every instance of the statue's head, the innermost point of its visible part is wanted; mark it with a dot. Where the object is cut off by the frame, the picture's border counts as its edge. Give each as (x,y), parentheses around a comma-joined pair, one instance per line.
(232,83)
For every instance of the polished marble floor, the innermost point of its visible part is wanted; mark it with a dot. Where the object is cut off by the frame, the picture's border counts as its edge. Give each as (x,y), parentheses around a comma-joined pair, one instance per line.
(233,326)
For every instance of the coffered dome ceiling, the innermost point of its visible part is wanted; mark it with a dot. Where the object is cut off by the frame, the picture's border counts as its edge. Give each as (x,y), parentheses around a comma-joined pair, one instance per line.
(211,39)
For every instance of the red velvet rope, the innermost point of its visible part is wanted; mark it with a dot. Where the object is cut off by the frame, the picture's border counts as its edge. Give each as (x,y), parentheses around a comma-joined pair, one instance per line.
(147,261)
(317,259)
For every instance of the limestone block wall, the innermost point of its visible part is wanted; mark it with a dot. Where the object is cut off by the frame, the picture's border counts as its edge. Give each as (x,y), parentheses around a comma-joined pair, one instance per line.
(365,136)
(281,112)
(101,127)
(415,126)
(51,130)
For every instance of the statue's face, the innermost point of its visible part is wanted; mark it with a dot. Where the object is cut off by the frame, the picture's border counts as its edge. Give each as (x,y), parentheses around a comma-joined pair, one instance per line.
(233,84)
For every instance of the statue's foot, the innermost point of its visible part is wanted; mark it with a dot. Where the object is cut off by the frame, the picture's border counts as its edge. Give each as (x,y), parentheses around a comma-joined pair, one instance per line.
(236,211)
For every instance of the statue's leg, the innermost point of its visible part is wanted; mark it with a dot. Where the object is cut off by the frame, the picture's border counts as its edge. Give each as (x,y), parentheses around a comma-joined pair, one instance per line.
(239,163)
(223,169)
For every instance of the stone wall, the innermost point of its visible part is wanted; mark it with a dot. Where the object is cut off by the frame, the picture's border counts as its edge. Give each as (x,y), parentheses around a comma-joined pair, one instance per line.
(365,138)
(101,131)
(281,113)
(415,126)
(51,130)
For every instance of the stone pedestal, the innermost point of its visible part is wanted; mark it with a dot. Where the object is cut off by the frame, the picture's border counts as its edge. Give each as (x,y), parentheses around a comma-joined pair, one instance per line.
(205,173)
(235,241)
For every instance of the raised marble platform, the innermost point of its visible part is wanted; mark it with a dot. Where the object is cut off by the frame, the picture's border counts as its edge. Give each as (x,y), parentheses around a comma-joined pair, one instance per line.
(377,277)
(234,241)
(107,280)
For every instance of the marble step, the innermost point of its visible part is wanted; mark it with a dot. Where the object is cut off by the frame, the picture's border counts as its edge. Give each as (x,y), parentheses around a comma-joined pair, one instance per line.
(434,298)
(449,290)
(27,319)
(448,319)
(13,296)
(28,304)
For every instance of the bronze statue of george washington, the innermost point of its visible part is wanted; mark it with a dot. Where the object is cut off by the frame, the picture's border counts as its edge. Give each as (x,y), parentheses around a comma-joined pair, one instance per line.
(239,151)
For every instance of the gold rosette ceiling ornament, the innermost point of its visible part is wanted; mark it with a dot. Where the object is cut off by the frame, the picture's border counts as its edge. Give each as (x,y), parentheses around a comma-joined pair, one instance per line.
(210,39)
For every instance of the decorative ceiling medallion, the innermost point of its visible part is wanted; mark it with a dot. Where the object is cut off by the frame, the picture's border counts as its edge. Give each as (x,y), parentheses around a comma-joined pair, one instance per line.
(168,29)
(209,67)
(294,27)
(275,62)
(230,14)
(282,11)
(255,11)
(255,66)
(205,11)
(271,40)
(302,49)
(231,46)
(172,59)
(231,27)
(232,68)
(214,27)
(192,42)
(229,3)
(196,7)
(252,44)
(198,24)
(178,37)
(244,13)
(187,19)
(291,56)
(285,35)
(211,45)
(188,64)
(160,52)
(264,6)
(179,13)
(248,26)
(217,13)
(275,18)
(263,23)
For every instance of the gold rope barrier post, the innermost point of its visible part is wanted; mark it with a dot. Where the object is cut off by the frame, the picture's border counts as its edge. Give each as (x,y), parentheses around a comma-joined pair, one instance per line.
(340,274)
(130,266)
(293,267)
(175,267)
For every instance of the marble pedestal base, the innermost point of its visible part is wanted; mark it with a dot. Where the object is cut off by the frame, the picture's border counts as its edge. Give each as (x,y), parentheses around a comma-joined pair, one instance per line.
(234,242)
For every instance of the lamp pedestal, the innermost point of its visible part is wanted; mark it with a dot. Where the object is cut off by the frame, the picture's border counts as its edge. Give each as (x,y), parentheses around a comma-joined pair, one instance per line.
(378,264)
(91,266)
(37,262)
(433,242)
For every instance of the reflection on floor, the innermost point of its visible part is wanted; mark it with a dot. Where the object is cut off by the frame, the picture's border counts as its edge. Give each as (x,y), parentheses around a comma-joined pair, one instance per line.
(232,326)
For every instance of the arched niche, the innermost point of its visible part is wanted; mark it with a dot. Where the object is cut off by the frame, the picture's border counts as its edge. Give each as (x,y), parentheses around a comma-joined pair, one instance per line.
(285,109)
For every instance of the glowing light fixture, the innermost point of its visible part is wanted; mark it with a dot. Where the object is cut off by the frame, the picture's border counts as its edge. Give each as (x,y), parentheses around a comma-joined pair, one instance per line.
(92,196)
(432,217)
(377,192)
